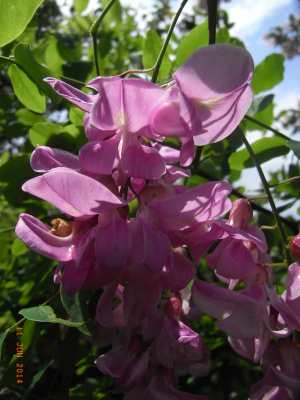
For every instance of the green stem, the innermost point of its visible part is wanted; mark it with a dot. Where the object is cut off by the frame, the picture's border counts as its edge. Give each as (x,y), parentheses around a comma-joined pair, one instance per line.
(7,59)
(136,71)
(289,180)
(289,223)
(8,330)
(292,225)
(212,6)
(268,227)
(163,50)
(269,128)
(279,264)
(12,60)
(282,233)
(94,31)
(7,229)
(72,80)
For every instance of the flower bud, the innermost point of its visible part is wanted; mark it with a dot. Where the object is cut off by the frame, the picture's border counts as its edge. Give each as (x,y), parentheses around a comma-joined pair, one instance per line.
(295,246)
(241,213)
(60,227)
(173,307)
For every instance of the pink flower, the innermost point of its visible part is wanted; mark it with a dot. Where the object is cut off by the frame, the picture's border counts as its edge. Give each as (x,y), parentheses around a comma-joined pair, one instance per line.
(206,101)
(143,259)
(239,314)
(187,208)
(71,242)
(178,347)
(240,254)
(127,366)
(295,247)
(288,304)
(241,213)
(45,158)
(281,381)
(203,105)
(161,387)
(243,248)
(73,193)
(118,122)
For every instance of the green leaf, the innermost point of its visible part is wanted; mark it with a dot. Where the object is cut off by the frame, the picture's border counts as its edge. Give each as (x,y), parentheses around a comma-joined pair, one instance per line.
(53,59)
(36,72)
(223,35)
(266,116)
(152,46)
(39,314)
(72,306)
(28,334)
(115,13)
(46,314)
(80,5)
(294,145)
(37,377)
(76,116)
(26,90)
(3,336)
(4,158)
(286,206)
(260,103)
(15,15)
(265,149)
(18,248)
(28,118)
(268,73)
(72,130)
(40,133)
(14,173)
(196,38)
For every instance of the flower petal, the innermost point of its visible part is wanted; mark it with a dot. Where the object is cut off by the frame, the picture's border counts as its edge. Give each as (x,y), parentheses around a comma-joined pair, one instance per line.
(238,314)
(214,72)
(123,103)
(154,246)
(223,117)
(221,96)
(232,260)
(199,204)
(99,157)
(112,246)
(73,193)
(140,161)
(77,97)
(45,158)
(38,237)
(187,152)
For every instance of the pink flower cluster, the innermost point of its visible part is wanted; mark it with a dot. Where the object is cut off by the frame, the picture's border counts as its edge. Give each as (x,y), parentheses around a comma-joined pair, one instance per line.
(145,261)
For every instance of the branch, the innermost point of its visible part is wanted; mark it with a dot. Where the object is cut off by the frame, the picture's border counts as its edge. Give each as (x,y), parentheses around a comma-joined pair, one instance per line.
(94,31)
(12,60)
(162,52)
(212,6)
(283,237)
(7,59)
(269,128)
(289,223)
